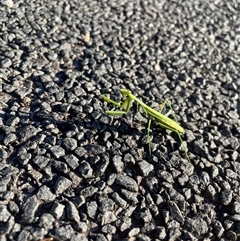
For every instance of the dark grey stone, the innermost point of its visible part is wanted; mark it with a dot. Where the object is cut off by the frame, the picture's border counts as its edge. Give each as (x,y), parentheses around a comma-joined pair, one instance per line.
(210,191)
(218,229)
(166,176)
(214,171)
(3,154)
(128,158)
(36,175)
(96,149)
(38,233)
(109,229)
(61,185)
(235,217)
(175,195)
(23,235)
(130,196)
(46,221)
(200,148)
(63,233)
(144,215)
(41,161)
(123,224)
(72,161)
(118,163)
(72,212)
(9,138)
(13,207)
(183,179)
(23,92)
(92,209)
(106,204)
(88,191)
(6,63)
(60,166)
(69,144)
(197,226)
(175,212)
(161,232)
(29,209)
(3,187)
(13,121)
(120,201)
(57,210)
(127,182)
(231,174)
(102,166)
(231,235)
(57,151)
(45,194)
(106,217)
(236,207)
(85,170)
(145,167)
(27,132)
(204,178)
(80,151)
(187,168)
(79,237)
(4,214)
(226,197)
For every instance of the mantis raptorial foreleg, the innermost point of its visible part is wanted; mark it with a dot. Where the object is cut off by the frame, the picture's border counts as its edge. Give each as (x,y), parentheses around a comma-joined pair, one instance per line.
(163,120)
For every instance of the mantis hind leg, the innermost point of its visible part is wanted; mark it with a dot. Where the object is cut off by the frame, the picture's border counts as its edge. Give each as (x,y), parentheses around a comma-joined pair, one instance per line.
(148,136)
(175,119)
(162,106)
(148,131)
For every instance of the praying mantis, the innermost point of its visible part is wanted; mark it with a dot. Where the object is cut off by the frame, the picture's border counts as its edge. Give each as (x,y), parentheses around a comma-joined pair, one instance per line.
(161,119)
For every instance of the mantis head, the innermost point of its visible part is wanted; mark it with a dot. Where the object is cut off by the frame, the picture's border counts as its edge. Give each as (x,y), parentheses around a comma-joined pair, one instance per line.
(125,92)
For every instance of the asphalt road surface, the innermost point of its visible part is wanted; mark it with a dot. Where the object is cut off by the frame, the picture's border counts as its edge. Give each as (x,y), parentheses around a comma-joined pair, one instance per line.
(69,171)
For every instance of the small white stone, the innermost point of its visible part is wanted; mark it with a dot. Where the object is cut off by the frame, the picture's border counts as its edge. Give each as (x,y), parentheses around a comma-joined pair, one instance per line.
(8,3)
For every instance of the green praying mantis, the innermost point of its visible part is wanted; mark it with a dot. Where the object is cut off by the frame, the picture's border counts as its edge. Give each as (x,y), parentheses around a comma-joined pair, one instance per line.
(161,119)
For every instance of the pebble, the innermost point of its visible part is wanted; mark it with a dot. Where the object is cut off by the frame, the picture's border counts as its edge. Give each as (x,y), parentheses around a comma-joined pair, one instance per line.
(226,197)
(5,215)
(29,209)
(175,212)
(218,229)
(72,212)
(130,196)
(145,167)
(70,144)
(72,161)
(61,185)
(118,163)
(46,221)
(85,170)
(57,151)
(106,204)
(120,201)
(144,215)
(127,182)
(92,209)
(88,191)
(57,210)
(45,194)
(41,161)
(197,226)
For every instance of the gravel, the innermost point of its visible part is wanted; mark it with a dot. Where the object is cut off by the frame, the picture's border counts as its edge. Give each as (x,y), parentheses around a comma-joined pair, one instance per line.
(68,171)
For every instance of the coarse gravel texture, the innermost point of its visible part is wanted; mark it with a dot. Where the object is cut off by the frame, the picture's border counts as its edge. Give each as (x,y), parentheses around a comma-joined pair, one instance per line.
(68,171)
